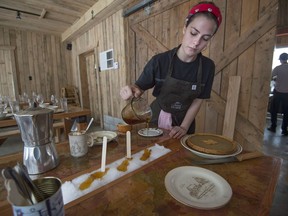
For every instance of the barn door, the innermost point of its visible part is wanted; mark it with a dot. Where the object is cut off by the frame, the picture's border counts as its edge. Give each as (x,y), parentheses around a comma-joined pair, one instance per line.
(242,47)
(8,78)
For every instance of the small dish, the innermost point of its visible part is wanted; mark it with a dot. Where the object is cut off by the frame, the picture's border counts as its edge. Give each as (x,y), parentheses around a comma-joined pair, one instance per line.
(44,105)
(98,136)
(150,132)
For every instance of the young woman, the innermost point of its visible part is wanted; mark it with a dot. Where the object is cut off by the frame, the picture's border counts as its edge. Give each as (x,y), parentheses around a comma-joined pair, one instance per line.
(181,77)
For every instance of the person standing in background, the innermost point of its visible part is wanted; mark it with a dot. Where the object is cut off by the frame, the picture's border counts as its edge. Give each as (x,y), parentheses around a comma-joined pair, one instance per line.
(182,77)
(280,95)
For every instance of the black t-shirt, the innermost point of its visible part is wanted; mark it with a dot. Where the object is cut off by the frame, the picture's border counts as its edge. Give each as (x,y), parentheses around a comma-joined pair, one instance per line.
(156,70)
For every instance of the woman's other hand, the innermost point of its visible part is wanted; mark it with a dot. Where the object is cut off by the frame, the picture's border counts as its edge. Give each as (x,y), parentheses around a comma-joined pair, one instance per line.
(177,132)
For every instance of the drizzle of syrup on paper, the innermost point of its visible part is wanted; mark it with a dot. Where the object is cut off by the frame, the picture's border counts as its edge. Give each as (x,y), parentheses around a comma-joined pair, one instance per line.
(123,166)
(97,175)
(146,154)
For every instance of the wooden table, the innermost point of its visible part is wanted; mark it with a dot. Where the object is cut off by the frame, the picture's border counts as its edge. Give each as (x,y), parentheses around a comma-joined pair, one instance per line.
(73,112)
(143,192)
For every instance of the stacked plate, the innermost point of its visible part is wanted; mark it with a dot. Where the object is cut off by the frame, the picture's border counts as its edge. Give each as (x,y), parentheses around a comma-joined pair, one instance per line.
(211,146)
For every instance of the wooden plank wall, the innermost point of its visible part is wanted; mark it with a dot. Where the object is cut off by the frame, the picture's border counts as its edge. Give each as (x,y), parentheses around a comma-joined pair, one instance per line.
(108,34)
(243,46)
(41,56)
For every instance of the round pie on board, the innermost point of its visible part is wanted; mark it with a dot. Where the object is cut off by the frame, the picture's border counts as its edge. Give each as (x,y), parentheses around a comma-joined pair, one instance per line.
(211,144)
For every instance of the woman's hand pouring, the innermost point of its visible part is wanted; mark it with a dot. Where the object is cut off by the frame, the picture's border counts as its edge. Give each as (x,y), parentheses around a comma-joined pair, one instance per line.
(127,92)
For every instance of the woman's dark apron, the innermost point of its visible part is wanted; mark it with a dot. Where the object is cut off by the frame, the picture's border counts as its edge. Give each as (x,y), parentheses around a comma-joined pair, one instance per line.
(176,96)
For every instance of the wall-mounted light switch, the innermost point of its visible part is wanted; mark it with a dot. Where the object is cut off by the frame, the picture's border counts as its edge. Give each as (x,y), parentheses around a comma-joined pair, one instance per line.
(116,65)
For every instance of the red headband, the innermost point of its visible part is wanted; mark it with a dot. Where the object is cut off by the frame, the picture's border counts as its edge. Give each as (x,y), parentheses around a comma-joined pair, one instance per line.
(207,8)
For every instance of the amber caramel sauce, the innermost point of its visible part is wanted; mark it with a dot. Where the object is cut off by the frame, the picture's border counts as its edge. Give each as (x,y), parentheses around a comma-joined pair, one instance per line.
(97,175)
(146,154)
(123,166)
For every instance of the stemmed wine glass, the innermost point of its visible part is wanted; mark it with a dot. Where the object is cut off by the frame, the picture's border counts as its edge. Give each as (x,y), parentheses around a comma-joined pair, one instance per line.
(54,100)
(4,101)
(40,99)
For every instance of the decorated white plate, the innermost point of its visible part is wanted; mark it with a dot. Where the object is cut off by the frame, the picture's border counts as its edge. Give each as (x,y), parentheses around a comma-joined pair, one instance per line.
(209,156)
(198,187)
(150,132)
(98,136)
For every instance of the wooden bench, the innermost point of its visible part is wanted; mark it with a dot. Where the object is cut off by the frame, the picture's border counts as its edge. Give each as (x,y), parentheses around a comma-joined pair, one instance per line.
(14,130)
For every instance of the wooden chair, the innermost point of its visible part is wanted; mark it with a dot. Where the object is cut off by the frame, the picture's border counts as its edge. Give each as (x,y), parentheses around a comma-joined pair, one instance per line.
(72,95)
(14,131)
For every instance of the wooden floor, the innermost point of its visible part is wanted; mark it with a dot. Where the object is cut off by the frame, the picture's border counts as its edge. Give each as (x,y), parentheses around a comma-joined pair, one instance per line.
(274,144)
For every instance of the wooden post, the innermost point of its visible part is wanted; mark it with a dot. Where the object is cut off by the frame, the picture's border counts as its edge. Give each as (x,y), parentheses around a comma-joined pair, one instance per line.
(231,106)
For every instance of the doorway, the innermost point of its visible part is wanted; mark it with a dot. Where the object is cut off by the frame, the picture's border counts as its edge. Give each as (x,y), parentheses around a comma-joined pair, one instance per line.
(89,79)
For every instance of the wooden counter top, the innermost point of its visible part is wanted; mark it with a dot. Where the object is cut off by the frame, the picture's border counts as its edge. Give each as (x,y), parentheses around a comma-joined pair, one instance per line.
(143,192)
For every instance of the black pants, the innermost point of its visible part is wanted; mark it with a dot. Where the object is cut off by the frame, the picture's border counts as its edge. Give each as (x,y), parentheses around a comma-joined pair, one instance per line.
(279,101)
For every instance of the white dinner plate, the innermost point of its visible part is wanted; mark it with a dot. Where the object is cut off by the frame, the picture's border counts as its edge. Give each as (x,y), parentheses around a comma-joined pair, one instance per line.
(59,110)
(9,115)
(209,156)
(150,132)
(98,136)
(198,187)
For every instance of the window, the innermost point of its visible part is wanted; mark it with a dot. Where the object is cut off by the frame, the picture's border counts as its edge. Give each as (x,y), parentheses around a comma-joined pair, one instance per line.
(107,60)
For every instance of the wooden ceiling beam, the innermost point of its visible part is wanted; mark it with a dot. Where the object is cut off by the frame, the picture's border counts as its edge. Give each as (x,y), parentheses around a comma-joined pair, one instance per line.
(98,12)
(33,27)
(282,32)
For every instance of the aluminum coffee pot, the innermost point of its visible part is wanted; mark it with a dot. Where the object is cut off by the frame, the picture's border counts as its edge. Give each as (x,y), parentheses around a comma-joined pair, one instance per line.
(36,127)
